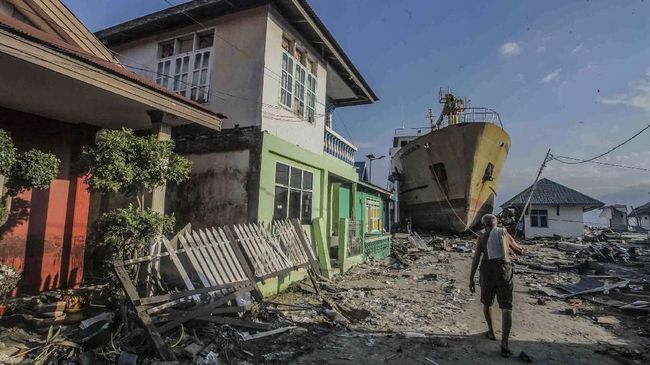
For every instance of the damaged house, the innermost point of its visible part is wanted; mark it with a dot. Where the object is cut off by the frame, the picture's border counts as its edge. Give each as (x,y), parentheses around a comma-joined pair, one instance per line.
(615,215)
(554,209)
(60,86)
(642,214)
(278,74)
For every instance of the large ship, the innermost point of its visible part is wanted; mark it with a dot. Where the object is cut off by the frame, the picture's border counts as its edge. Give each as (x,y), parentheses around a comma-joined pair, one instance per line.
(446,175)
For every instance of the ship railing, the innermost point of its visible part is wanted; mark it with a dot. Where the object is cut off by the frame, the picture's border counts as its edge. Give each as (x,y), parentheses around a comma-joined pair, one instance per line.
(476,115)
(412,132)
(338,146)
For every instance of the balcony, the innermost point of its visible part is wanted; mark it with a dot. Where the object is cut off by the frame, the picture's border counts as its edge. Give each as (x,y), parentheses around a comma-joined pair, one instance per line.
(338,146)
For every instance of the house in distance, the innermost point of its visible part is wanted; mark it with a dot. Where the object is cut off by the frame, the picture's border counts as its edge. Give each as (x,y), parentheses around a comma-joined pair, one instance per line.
(554,209)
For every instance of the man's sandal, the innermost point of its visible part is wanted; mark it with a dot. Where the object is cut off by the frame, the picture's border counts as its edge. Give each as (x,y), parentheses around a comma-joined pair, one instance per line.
(505,352)
(490,336)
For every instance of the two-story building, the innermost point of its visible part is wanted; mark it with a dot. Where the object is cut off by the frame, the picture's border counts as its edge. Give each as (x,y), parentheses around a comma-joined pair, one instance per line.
(276,71)
(59,86)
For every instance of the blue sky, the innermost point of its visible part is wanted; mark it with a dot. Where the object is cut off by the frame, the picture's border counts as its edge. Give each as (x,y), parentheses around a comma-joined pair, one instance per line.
(570,76)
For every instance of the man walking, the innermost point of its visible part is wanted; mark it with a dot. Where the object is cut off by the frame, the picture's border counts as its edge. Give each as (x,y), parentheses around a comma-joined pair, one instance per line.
(494,247)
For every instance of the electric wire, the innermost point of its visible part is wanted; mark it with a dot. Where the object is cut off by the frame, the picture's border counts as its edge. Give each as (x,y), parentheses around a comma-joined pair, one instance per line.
(558,157)
(611,149)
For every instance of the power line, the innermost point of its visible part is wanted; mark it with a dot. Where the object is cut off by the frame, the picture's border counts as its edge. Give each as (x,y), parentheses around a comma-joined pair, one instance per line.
(611,149)
(558,157)
(532,189)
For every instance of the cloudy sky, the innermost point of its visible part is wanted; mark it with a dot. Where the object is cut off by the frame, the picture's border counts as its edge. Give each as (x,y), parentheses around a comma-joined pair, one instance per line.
(570,76)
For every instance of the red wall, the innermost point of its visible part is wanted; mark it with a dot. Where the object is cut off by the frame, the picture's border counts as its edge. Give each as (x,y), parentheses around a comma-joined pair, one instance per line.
(45,235)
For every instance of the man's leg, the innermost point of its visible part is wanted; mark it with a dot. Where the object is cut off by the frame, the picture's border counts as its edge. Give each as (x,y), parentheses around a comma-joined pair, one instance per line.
(506,319)
(487,311)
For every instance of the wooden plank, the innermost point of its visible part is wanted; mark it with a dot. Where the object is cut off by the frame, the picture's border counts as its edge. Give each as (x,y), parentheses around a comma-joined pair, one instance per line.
(291,242)
(189,251)
(246,265)
(184,294)
(264,246)
(259,254)
(154,335)
(251,253)
(274,247)
(306,246)
(234,264)
(219,259)
(195,241)
(179,267)
(202,310)
(236,322)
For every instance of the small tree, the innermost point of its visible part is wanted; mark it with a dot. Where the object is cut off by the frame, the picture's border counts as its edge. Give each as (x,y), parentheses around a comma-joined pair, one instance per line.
(124,163)
(32,169)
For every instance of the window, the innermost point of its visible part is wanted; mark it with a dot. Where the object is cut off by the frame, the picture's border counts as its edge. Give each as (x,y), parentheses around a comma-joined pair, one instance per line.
(373,216)
(286,91)
(298,82)
(539,218)
(293,192)
(440,171)
(311,98)
(184,65)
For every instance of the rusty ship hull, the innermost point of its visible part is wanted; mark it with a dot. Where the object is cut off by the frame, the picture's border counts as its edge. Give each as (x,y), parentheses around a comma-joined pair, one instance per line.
(447,178)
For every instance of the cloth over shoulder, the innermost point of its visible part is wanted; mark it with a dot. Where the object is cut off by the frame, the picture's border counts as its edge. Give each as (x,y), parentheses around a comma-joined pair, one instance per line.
(496,244)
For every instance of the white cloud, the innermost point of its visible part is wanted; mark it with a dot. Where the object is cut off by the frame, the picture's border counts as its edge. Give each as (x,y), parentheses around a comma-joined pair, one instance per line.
(510,49)
(520,78)
(637,97)
(576,49)
(552,76)
(540,49)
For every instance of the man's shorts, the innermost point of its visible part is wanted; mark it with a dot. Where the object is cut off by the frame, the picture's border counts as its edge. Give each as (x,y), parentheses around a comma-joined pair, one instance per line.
(496,279)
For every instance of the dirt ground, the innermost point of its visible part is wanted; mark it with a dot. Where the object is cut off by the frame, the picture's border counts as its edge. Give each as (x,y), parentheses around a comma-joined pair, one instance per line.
(431,298)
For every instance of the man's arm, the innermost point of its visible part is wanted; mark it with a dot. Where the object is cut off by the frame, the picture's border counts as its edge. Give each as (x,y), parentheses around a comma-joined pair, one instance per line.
(513,245)
(475,261)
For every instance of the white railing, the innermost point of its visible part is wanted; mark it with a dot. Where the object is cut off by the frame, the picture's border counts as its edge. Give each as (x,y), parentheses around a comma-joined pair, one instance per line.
(338,146)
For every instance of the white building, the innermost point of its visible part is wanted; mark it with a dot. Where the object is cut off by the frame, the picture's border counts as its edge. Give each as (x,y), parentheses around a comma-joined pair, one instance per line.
(615,215)
(554,209)
(643,214)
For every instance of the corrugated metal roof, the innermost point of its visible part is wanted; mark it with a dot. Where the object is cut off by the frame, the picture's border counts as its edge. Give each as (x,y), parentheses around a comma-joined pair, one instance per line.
(549,192)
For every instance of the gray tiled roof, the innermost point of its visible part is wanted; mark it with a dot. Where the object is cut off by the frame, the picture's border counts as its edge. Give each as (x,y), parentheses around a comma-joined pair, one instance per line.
(549,192)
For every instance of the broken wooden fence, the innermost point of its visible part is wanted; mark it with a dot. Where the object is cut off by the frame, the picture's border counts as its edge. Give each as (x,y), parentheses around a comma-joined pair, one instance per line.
(202,273)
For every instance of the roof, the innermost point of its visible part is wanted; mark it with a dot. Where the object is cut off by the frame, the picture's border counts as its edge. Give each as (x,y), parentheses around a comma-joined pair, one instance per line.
(52,42)
(376,188)
(644,209)
(549,192)
(297,12)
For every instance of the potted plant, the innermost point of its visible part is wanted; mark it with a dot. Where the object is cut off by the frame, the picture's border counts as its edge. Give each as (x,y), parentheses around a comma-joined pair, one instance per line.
(9,278)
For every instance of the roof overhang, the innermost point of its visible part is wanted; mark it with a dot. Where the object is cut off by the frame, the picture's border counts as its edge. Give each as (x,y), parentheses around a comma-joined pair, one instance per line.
(43,77)
(297,12)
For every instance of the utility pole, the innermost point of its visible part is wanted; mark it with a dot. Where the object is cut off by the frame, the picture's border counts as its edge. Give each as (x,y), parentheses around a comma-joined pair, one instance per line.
(371,158)
(532,190)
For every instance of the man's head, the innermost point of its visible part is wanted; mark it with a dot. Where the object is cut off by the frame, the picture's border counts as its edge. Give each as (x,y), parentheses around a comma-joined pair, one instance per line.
(489,221)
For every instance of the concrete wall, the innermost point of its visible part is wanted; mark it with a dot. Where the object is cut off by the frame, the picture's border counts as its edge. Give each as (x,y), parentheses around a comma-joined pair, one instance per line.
(45,235)
(569,223)
(223,187)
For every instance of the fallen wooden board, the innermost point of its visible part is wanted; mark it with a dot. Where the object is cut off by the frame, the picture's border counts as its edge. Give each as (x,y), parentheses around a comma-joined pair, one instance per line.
(276,331)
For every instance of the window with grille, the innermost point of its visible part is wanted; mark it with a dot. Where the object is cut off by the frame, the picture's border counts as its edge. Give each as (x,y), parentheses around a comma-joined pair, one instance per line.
(184,65)
(293,192)
(539,218)
(298,84)
(373,216)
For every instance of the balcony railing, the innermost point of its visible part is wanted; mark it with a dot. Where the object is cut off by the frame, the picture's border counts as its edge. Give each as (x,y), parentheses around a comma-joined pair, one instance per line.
(338,146)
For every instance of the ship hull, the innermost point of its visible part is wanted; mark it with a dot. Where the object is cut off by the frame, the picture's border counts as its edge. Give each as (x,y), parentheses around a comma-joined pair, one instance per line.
(445,181)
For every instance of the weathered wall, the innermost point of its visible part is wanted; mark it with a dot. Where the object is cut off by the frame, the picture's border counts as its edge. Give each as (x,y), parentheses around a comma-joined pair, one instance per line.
(569,223)
(224,185)
(45,235)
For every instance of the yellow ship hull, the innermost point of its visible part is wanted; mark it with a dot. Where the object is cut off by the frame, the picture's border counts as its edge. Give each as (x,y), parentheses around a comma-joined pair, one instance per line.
(447,179)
